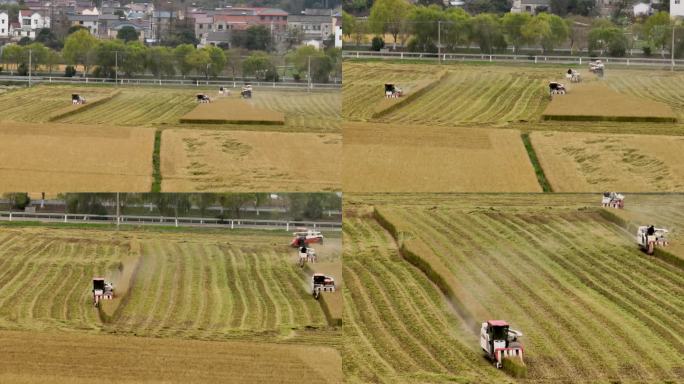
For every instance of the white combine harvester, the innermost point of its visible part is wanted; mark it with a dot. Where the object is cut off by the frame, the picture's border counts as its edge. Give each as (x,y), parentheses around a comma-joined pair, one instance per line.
(102,290)
(321,283)
(573,75)
(648,237)
(306,255)
(613,200)
(500,342)
(246,92)
(392,91)
(597,67)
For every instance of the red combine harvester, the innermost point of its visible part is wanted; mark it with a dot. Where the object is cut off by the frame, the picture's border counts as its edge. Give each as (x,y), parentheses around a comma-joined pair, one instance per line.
(102,290)
(500,342)
(306,237)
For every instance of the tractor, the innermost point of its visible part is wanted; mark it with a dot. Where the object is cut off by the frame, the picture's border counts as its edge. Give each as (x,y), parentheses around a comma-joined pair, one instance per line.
(306,237)
(102,290)
(321,283)
(613,200)
(500,342)
(648,237)
(392,91)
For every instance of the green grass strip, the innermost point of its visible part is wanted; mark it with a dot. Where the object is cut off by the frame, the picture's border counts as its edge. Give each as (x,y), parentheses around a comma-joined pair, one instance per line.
(156,163)
(541,177)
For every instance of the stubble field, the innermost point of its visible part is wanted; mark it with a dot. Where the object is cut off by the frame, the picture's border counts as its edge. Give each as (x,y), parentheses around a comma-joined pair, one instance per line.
(592,307)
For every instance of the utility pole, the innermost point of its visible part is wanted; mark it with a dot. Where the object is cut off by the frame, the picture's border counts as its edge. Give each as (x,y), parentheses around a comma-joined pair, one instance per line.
(672,47)
(116,71)
(439,40)
(29,68)
(309,71)
(118,212)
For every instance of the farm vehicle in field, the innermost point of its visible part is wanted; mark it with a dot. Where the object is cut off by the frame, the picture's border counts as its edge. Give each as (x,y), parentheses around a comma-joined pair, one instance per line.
(203,98)
(224,91)
(321,283)
(648,237)
(573,75)
(246,92)
(500,342)
(306,255)
(102,290)
(77,99)
(613,200)
(306,237)
(597,67)
(556,88)
(392,91)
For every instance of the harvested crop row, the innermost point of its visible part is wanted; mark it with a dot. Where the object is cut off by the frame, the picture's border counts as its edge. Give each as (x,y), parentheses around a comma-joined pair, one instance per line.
(660,86)
(591,289)
(232,111)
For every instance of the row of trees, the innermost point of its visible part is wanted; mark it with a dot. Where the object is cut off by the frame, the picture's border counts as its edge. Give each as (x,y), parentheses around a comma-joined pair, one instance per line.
(421,28)
(103,58)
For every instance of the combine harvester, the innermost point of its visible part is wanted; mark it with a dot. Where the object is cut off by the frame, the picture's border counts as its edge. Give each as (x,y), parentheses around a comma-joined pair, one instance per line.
(246,92)
(499,342)
(648,237)
(306,255)
(573,75)
(305,237)
(392,91)
(556,88)
(203,98)
(597,67)
(77,99)
(613,200)
(321,283)
(102,290)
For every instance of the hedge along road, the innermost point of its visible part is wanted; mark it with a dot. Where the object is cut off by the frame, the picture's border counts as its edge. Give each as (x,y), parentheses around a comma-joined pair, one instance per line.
(597,309)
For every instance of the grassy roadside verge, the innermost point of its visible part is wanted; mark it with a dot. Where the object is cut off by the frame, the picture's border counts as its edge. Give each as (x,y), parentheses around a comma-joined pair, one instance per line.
(156,163)
(538,170)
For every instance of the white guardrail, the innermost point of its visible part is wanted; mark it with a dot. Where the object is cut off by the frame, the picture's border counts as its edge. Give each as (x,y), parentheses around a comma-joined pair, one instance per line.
(534,59)
(78,218)
(169,82)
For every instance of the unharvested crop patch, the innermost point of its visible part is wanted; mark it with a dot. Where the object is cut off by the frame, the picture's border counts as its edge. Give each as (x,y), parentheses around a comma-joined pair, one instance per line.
(232,111)
(68,357)
(394,158)
(250,161)
(593,308)
(587,162)
(595,101)
(61,157)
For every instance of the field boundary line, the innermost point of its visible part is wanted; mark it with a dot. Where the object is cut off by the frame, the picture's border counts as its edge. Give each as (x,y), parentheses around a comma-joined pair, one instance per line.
(424,266)
(630,228)
(406,100)
(156,163)
(538,170)
(84,107)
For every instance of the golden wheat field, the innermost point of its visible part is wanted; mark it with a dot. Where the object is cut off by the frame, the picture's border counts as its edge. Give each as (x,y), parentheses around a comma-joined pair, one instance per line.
(394,158)
(76,158)
(78,358)
(586,162)
(204,160)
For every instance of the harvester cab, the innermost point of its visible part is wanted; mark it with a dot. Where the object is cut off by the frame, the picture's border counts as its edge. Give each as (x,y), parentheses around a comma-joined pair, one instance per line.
(613,200)
(648,237)
(102,290)
(321,283)
(392,91)
(500,342)
(306,237)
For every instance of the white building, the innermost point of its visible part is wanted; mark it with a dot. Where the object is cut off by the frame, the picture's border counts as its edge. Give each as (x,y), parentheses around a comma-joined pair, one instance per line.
(338,36)
(30,22)
(676,8)
(4,25)
(642,9)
